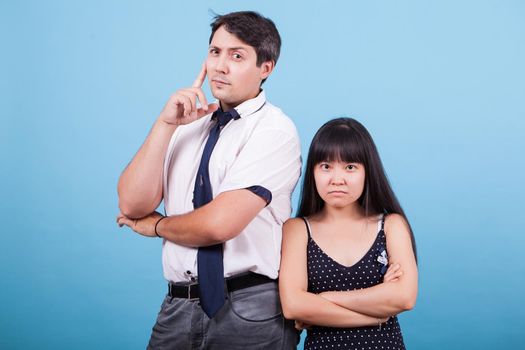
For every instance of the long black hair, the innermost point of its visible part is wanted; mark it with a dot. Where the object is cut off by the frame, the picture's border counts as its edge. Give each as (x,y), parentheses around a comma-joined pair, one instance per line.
(347,140)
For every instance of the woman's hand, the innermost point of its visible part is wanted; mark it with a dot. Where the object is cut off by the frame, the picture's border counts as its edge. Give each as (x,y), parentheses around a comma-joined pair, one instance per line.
(393,273)
(299,325)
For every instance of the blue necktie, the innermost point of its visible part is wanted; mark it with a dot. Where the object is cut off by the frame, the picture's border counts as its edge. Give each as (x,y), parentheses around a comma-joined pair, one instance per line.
(209,259)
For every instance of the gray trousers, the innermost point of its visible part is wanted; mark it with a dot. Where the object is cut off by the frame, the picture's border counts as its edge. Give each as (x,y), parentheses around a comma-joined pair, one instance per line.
(250,319)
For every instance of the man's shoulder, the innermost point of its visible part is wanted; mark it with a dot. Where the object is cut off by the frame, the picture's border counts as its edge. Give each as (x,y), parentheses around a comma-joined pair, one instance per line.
(274,111)
(273,118)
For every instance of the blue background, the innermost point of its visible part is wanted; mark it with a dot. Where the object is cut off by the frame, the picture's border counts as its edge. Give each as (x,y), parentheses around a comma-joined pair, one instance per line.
(439,84)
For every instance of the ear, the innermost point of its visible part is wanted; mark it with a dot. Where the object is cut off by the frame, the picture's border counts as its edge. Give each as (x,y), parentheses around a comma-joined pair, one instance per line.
(266,69)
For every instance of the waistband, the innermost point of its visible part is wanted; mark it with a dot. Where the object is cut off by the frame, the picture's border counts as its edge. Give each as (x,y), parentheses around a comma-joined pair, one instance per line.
(234,283)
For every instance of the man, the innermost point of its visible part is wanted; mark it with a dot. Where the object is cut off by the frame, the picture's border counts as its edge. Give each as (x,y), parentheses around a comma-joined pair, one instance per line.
(226,173)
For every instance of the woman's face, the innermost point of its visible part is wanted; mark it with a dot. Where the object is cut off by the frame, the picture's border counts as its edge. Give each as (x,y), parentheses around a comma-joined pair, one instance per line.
(338,183)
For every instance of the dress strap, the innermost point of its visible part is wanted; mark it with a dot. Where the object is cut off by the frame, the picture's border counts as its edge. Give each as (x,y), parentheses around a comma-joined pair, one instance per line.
(308,229)
(383,221)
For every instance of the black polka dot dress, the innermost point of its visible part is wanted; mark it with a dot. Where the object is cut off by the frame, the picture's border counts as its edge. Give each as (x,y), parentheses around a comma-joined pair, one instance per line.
(325,274)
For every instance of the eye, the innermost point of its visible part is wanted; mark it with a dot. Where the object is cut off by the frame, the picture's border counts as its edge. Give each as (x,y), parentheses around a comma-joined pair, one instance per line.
(324,166)
(237,56)
(213,52)
(350,167)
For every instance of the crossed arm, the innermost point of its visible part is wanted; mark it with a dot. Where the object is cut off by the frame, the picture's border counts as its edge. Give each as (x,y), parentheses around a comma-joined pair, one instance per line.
(140,193)
(208,225)
(354,308)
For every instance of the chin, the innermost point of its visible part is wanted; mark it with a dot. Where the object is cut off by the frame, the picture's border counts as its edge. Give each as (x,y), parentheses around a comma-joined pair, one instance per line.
(338,203)
(226,100)
(220,95)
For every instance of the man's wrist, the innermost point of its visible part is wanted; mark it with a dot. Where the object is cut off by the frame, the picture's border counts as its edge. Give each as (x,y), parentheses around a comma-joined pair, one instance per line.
(161,122)
(157,226)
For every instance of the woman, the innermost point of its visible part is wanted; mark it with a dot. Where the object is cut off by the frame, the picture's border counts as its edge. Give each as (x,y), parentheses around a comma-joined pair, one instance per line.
(348,261)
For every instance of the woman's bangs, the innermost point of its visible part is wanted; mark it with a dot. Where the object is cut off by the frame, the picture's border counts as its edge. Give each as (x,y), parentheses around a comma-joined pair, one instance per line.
(339,145)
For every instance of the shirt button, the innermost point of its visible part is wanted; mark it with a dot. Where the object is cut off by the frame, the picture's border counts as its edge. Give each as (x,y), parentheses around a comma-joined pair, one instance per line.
(188,272)
(193,279)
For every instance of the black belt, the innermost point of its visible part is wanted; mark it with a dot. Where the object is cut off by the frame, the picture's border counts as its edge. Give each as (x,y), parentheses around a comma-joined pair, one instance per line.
(191,291)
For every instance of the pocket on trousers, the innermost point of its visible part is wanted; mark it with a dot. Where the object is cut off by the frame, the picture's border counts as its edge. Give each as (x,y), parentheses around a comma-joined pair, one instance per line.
(257,304)
(174,313)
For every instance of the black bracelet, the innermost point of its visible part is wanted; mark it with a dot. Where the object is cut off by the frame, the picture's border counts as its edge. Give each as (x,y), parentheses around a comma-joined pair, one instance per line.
(157,224)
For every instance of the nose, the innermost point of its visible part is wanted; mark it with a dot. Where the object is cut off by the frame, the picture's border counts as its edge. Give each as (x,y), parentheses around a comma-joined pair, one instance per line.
(337,178)
(221,65)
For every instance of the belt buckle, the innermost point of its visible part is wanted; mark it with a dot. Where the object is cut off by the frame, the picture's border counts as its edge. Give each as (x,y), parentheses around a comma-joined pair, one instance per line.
(189,290)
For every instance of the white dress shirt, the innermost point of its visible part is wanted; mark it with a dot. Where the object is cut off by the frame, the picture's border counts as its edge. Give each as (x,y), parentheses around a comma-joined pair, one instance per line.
(259,149)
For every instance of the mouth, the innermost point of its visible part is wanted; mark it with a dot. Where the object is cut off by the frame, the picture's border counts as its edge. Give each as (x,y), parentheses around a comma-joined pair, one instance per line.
(220,82)
(337,192)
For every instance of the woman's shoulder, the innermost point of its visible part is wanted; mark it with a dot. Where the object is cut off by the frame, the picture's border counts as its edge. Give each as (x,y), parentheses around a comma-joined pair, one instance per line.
(296,228)
(395,223)
(294,224)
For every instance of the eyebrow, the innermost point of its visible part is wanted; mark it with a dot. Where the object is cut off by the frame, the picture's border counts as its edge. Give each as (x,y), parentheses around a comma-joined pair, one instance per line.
(230,48)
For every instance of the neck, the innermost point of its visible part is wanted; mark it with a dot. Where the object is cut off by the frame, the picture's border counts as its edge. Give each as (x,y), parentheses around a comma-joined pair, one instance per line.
(226,106)
(352,212)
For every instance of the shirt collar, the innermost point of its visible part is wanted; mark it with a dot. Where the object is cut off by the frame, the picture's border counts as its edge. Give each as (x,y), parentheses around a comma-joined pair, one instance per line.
(252,105)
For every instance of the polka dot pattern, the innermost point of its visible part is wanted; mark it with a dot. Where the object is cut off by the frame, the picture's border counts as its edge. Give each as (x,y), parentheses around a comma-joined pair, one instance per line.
(326,274)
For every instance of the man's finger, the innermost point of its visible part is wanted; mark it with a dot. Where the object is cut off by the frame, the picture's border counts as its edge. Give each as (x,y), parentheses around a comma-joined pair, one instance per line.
(186,104)
(121,221)
(200,95)
(212,107)
(193,98)
(200,78)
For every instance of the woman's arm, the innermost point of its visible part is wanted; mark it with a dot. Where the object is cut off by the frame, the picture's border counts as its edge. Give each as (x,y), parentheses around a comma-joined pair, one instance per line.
(297,303)
(390,298)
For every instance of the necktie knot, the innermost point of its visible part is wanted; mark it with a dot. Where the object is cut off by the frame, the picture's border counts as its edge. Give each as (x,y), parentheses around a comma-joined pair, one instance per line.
(224,117)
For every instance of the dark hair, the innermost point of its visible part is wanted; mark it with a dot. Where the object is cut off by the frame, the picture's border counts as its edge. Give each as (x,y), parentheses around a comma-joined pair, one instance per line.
(347,140)
(255,30)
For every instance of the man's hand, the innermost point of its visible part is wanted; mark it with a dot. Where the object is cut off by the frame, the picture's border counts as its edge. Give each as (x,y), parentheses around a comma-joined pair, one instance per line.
(393,273)
(145,226)
(182,108)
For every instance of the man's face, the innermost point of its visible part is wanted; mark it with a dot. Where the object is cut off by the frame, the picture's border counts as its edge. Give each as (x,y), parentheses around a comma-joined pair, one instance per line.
(232,71)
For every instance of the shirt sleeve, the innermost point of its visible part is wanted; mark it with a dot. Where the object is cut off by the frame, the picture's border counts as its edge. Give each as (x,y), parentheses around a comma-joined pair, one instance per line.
(262,192)
(271,160)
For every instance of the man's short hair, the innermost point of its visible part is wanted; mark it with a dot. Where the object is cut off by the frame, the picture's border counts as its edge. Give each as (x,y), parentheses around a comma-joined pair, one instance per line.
(255,30)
